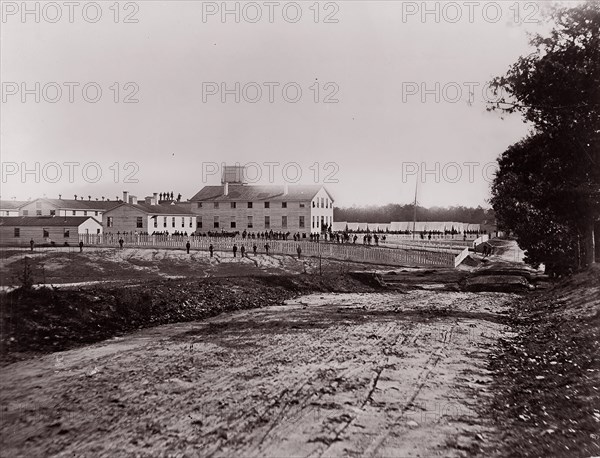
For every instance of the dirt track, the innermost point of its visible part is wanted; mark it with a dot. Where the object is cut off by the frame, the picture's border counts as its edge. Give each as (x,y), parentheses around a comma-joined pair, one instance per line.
(327,375)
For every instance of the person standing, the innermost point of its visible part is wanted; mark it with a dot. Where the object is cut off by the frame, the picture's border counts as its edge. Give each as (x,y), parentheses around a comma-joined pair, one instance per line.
(254,249)
(121,242)
(234,250)
(187,247)
(81,246)
(267,248)
(211,249)
(299,250)
(31,244)
(243,251)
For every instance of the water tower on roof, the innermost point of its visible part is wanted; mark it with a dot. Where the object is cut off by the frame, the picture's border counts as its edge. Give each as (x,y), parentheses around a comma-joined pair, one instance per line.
(234,174)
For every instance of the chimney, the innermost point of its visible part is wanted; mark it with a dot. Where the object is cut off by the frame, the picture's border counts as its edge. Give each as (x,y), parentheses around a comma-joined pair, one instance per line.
(133,200)
(125,196)
(226,189)
(286,189)
(155,197)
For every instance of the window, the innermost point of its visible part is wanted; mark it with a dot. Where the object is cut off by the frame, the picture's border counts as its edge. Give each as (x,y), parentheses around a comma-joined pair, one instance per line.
(233,205)
(284,222)
(216,204)
(283,204)
(139,222)
(199,223)
(38,213)
(322,202)
(302,205)
(249,204)
(155,221)
(199,205)
(45,233)
(233,225)
(74,212)
(109,221)
(17,232)
(250,222)
(84,213)
(301,221)
(267,222)
(216,223)
(183,221)
(172,221)
(97,231)
(164,221)
(267,204)
(95,213)
(191,223)
(52,212)
(67,233)
(314,205)
(25,212)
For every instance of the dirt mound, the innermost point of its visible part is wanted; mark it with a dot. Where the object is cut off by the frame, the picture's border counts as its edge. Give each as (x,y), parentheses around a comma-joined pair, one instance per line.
(51,319)
(497,283)
(546,379)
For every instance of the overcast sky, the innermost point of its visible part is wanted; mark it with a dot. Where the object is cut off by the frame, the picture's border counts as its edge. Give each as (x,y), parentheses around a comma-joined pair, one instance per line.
(374,61)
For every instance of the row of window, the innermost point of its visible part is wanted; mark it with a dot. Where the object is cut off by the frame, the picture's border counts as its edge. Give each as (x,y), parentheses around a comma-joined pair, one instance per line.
(53,213)
(250,222)
(46,232)
(139,222)
(216,205)
(328,220)
(322,202)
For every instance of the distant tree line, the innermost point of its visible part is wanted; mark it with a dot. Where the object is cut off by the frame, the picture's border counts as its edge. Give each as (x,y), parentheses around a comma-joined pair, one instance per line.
(398,212)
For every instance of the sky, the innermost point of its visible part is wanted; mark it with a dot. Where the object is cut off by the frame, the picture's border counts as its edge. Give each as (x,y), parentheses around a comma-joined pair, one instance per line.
(369,98)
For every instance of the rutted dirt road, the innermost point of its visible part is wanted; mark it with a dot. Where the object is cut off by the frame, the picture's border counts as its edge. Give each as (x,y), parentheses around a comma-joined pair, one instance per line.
(325,375)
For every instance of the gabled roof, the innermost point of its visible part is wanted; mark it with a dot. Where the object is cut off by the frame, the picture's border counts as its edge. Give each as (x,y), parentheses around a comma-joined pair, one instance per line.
(72,204)
(44,221)
(249,193)
(12,204)
(159,209)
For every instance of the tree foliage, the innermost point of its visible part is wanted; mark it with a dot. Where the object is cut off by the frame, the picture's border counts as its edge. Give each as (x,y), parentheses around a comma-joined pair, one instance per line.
(547,189)
(398,212)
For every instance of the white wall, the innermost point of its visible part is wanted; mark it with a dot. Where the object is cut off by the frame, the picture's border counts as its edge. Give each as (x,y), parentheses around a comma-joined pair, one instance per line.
(323,208)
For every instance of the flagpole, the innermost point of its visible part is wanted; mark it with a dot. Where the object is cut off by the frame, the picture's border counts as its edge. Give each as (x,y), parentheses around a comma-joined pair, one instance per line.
(415,207)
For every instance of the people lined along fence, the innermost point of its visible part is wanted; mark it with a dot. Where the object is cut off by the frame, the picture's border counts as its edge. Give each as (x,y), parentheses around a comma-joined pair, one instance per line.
(410,255)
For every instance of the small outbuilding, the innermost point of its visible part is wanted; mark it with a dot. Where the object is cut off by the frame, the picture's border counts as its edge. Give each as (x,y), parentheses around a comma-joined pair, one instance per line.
(20,230)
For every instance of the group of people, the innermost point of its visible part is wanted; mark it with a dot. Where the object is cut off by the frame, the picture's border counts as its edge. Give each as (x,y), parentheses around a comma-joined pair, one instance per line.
(168,196)
(268,235)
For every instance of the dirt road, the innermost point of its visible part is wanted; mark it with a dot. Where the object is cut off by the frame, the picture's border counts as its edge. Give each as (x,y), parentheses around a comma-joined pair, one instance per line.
(335,375)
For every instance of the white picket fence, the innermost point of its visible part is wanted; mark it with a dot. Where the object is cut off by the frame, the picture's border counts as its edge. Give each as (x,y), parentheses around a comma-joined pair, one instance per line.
(409,256)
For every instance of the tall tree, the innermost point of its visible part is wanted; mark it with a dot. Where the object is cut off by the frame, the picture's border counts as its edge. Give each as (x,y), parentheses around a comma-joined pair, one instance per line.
(548,186)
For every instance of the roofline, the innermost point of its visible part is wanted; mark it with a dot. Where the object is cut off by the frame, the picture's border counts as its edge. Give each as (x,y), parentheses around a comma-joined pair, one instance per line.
(308,197)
